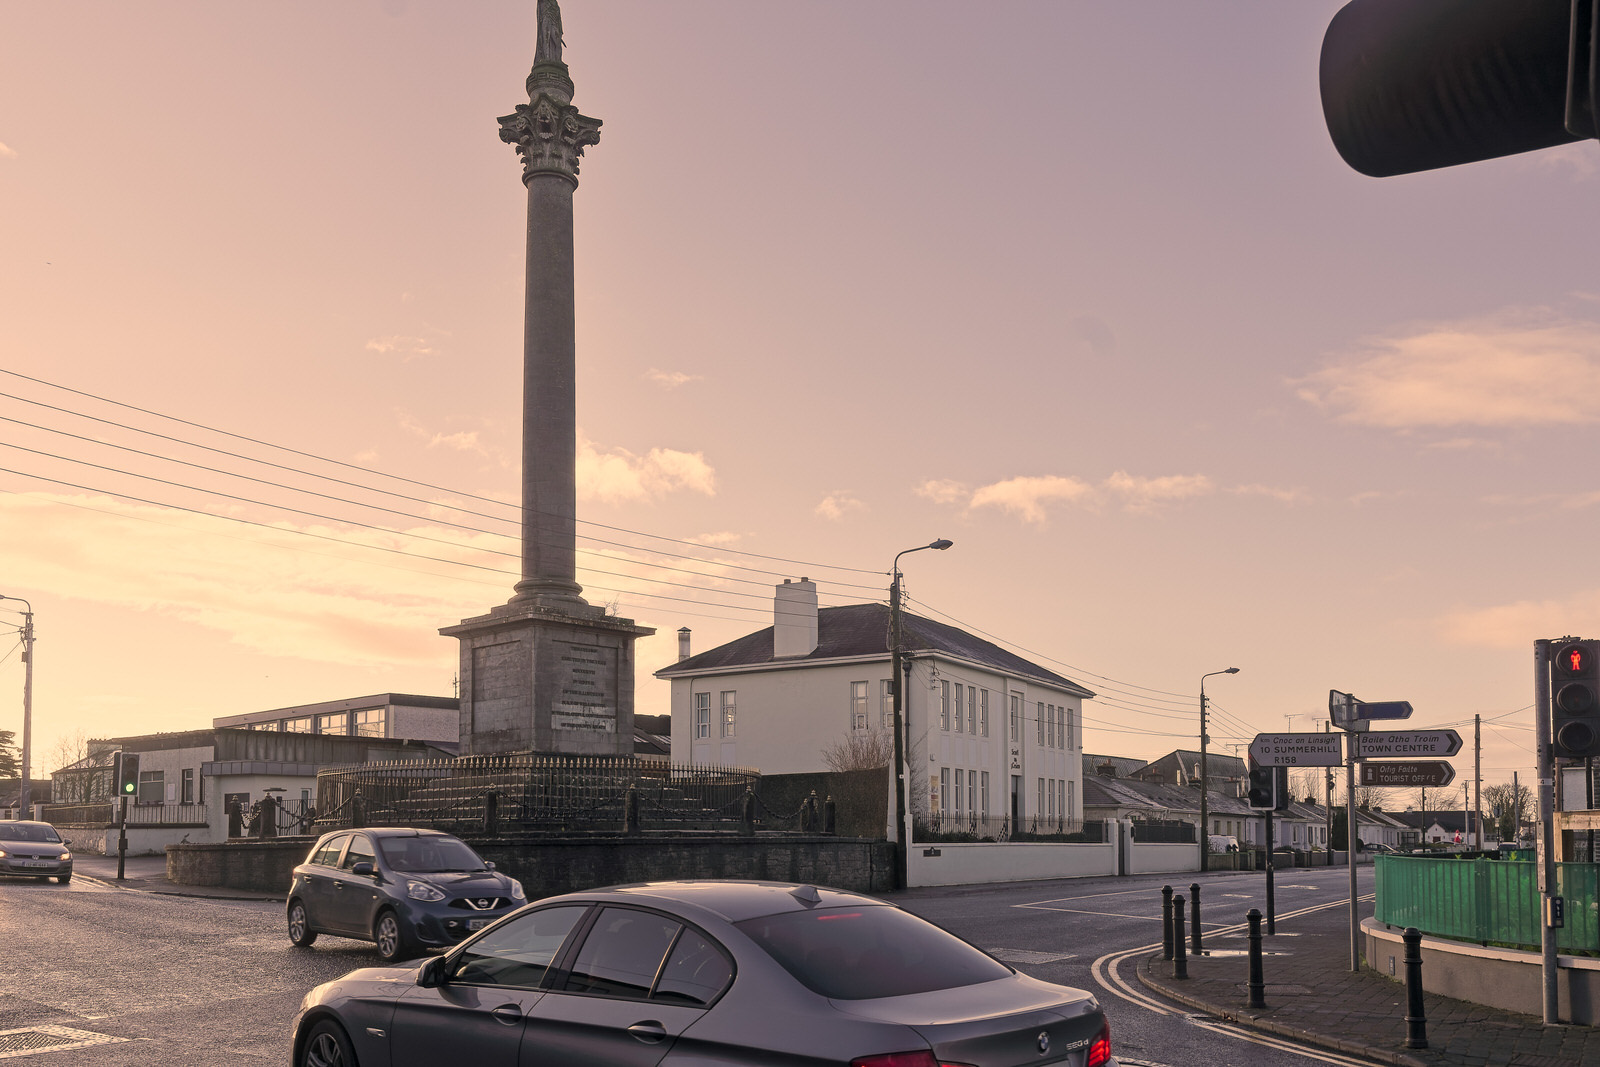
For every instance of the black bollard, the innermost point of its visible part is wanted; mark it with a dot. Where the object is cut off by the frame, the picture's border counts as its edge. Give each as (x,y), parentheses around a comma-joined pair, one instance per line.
(491,813)
(630,811)
(1180,960)
(1194,918)
(830,816)
(747,813)
(1258,983)
(1166,922)
(1416,1015)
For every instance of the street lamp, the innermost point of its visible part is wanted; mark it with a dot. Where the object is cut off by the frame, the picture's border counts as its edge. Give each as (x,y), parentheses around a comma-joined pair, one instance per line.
(27,702)
(896,688)
(1205,830)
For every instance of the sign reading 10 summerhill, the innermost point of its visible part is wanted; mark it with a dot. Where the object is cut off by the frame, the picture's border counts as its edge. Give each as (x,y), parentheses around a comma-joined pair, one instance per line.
(584,673)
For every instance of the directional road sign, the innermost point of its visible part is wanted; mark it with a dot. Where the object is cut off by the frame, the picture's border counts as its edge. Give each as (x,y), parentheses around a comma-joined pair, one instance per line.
(1296,750)
(1408,774)
(1383,709)
(1402,744)
(1341,707)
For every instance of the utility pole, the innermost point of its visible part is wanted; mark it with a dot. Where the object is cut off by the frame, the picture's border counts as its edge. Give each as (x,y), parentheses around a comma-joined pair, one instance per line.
(26,796)
(1477,774)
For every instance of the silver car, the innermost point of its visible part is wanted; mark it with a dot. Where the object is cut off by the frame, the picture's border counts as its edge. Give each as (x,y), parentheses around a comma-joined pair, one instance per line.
(34,849)
(703,972)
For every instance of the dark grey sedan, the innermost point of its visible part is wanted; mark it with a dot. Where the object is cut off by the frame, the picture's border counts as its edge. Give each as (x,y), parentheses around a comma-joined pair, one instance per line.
(34,850)
(713,972)
(405,890)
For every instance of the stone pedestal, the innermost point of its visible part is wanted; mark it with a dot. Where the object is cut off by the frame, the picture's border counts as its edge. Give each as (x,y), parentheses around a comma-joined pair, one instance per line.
(536,680)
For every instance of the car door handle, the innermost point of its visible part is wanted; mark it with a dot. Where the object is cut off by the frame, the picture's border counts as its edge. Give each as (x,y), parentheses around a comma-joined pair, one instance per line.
(648,1031)
(509,1014)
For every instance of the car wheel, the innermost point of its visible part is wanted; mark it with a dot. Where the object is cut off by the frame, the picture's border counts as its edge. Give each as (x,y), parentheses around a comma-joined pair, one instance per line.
(391,938)
(300,933)
(65,878)
(327,1046)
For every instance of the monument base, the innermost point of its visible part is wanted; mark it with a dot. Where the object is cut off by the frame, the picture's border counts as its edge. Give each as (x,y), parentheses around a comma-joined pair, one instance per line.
(534,679)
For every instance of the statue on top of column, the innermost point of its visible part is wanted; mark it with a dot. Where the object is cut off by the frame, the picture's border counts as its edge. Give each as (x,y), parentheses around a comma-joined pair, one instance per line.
(548,50)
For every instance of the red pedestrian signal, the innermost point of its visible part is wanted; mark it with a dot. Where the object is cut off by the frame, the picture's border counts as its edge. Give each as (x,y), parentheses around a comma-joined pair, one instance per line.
(1575,700)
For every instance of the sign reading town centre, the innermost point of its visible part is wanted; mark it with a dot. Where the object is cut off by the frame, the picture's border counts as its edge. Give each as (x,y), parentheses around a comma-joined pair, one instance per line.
(1407,744)
(1296,750)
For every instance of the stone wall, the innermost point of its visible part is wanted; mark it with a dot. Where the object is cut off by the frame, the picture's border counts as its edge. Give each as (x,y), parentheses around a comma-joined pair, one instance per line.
(558,865)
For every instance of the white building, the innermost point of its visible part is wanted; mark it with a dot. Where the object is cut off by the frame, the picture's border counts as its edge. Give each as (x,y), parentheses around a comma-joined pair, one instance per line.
(989,735)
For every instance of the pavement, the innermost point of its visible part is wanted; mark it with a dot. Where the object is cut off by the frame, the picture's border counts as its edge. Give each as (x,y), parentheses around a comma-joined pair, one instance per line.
(1313,996)
(148,874)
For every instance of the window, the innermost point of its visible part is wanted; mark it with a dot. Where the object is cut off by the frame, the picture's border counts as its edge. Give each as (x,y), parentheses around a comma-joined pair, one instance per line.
(297,726)
(518,953)
(335,722)
(960,689)
(972,792)
(730,712)
(187,796)
(983,713)
(622,953)
(370,722)
(959,808)
(1049,726)
(983,794)
(886,702)
(944,705)
(1072,798)
(1071,742)
(327,855)
(1040,721)
(972,710)
(858,706)
(944,790)
(152,787)
(360,851)
(1039,807)
(702,715)
(1050,797)
(1061,798)
(695,973)
(1016,717)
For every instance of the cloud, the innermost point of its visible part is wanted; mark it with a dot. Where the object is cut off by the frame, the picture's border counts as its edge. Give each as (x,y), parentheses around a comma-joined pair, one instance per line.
(1271,492)
(1144,494)
(620,475)
(407,348)
(1503,372)
(1507,626)
(1027,496)
(836,505)
(271,591)
(7,152)
(943,491)
(671,379)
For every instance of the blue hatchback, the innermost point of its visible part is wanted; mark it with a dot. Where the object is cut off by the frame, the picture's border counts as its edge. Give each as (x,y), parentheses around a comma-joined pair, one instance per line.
(406,890)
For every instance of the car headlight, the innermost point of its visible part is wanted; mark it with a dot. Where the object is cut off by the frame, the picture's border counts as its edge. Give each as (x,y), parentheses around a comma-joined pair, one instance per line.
(516,890)
(64,857)
(2,853)
(423,891)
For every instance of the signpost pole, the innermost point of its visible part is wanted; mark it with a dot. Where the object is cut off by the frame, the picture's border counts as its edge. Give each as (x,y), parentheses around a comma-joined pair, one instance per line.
(1350,839)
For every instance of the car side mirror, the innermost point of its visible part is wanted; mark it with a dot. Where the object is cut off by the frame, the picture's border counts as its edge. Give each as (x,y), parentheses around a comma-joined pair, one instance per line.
(431,975)
(488,865)
(361,868)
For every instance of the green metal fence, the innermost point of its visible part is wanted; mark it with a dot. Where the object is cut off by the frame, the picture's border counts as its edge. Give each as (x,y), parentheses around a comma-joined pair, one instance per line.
(1490,901)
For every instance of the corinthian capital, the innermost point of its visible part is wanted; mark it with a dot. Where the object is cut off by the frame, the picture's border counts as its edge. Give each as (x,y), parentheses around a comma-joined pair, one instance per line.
(550,136)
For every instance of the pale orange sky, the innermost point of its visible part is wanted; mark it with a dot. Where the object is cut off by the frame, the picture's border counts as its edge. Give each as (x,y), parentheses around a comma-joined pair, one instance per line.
(1082,286)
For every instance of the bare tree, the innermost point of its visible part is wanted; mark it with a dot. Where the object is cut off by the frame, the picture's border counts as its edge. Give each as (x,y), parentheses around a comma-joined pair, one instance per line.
(860,750)
(1510,805)
(70,788)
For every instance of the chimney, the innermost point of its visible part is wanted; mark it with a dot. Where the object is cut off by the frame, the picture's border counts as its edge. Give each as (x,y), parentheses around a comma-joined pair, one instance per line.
(1159,778)
(794,619)
(1106,769)
(683,644)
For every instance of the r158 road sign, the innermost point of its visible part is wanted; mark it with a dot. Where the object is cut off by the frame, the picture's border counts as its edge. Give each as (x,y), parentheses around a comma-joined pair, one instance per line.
(1296,750)
(1408,774)
(1399,744)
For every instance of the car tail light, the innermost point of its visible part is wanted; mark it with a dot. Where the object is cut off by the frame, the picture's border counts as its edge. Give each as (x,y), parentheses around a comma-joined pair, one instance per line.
(920,1058)
(1100,1048)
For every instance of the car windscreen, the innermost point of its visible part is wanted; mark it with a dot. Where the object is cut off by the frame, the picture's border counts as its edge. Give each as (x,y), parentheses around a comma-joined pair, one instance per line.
(29,832)
(860,953)
(428,853)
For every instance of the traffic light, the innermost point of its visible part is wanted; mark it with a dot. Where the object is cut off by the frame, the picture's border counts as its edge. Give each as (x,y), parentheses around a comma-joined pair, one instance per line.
(1280,786)
(1263,787)
(125,770)
(1575,698)
(1411,85)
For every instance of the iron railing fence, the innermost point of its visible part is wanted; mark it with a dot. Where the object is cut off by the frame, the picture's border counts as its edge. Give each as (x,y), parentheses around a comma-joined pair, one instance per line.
(1488,900)
(1164,831)
(970,826)
(534,792)
(106,814)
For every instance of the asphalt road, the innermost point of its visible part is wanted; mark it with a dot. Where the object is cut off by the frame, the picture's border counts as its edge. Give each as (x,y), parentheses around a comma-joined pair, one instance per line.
(153,979)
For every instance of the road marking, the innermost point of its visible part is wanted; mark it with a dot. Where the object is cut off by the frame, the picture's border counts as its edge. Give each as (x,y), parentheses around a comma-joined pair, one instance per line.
(32,1040)
(1022,955)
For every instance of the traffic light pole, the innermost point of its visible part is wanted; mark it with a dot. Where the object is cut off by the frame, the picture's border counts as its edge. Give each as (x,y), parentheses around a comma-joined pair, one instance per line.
(122,838)
(1350,839)
(1543,746)
(1272,925)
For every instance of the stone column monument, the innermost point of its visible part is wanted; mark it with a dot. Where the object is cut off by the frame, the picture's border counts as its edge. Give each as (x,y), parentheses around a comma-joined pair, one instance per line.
(548,672)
